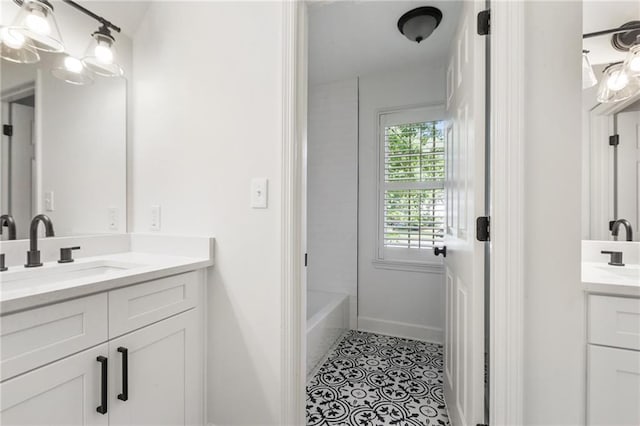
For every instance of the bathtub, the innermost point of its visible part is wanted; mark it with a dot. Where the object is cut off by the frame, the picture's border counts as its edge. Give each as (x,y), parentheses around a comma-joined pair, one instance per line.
(327,319)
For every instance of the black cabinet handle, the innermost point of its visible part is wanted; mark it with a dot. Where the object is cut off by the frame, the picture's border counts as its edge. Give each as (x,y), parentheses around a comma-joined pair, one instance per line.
(102,408)
(440,251)
(125,374)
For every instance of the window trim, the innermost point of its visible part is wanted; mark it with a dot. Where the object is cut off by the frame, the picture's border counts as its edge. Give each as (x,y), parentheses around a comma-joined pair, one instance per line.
(396,257)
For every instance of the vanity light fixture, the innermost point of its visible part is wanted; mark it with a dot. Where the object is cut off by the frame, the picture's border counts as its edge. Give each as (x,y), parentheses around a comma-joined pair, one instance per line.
(37,23)
(588,76)
(621,80)
(418,24)
(13,47)
(72,70)
(617,85)
(101,54)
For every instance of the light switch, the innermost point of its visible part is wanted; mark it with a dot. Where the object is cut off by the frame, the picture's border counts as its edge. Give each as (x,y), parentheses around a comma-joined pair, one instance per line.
(48,201)
(259,192)
(155,218)
(113,218)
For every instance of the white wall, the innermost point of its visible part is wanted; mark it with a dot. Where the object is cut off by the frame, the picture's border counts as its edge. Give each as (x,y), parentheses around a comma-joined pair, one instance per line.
(332,190)
(207,118)
(554,334)
(390,301)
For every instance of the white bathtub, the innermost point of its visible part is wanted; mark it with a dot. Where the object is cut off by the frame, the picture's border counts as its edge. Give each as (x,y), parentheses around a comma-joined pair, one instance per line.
(327,319)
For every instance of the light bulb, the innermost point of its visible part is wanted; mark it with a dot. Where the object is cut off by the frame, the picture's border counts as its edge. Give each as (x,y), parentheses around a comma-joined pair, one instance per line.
(37,23)
(618,80)
(634,64)
(73,65)
(103,53)
(13,39)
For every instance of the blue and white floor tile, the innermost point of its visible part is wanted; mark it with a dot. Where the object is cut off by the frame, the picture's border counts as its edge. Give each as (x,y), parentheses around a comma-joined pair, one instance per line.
(375,380)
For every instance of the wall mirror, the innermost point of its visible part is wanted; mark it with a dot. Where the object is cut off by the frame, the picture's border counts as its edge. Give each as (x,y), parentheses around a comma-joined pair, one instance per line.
(64,146)
(611,126)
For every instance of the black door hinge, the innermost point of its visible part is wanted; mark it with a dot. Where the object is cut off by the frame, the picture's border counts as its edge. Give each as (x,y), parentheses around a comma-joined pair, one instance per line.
(484,22)
(614,140)
(7,130)
(306,257)
(483,224)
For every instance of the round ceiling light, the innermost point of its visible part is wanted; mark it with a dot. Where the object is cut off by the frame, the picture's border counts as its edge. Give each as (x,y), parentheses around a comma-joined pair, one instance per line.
(419,23)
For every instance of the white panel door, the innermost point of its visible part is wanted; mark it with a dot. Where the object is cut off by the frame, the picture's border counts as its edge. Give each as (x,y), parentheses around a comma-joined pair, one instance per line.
(465,191)
(629,171)
(614,387)
(164,374)
(64,393)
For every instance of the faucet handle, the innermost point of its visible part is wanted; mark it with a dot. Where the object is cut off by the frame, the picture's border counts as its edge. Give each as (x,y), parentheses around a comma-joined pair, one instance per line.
(2,267)
(616,257)
(66,256)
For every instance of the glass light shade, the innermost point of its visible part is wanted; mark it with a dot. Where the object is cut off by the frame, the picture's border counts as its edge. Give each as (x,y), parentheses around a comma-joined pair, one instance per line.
(617,85)
(632,61)
(100,57)
(38,24)
(72,71)
(588,76)
(14,47)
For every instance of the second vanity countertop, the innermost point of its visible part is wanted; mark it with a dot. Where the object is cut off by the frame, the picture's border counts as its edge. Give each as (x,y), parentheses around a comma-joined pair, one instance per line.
(22,288)
(600,277)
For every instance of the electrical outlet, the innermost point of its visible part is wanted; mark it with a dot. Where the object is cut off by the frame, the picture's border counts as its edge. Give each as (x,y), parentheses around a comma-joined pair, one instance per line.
(48,201)
(259,192)
(113,218)
(155,218)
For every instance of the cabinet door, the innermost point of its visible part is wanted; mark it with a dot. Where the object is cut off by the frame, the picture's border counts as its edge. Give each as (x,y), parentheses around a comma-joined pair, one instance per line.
(614,386)
(164,374)
(66,393)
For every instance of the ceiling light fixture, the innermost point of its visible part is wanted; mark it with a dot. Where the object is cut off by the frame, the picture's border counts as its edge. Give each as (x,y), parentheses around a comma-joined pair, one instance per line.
(419,23)
(100,55)
(632,61)
(588,76)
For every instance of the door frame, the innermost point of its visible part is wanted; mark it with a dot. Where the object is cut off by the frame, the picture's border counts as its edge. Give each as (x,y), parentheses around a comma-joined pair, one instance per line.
(507,46)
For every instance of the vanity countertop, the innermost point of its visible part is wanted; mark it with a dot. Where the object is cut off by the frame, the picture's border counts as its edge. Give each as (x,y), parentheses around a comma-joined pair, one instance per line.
(615,280)
(22,288)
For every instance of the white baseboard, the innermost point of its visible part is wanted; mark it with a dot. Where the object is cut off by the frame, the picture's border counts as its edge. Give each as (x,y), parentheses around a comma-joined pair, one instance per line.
(401,329)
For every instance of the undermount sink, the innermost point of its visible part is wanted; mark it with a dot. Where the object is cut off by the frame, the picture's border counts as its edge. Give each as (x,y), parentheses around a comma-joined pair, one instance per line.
(608,274)
(51,273)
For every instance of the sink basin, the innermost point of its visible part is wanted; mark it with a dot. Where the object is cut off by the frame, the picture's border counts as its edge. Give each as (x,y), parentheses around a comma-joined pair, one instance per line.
(607,274)
(53,273)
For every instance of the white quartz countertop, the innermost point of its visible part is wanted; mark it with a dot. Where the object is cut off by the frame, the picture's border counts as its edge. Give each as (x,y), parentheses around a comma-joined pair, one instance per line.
(606,279)
(147,259)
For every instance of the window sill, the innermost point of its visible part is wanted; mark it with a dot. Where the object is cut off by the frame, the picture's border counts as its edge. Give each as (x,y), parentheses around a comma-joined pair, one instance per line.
(409,266)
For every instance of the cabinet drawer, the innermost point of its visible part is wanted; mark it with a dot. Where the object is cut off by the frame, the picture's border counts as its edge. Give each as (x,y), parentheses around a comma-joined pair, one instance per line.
(614,386)
(614,321)
(38,336)
(134,307)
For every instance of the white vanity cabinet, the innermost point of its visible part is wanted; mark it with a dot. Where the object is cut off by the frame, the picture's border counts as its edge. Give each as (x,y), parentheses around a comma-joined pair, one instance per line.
(136,352)
(613,356)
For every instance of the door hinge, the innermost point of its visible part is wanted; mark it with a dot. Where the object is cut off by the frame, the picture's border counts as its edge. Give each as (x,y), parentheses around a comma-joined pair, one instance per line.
(484,22)
(483,224)
(614,140)
(7,130)
(306,257)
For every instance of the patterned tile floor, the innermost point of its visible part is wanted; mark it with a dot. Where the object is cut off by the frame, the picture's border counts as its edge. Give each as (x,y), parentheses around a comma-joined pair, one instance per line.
(375,380)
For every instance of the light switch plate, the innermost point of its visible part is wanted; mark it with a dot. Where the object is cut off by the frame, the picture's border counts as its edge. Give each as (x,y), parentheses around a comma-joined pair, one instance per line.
(259,193)
(113,218)
(155,218)
(48,201)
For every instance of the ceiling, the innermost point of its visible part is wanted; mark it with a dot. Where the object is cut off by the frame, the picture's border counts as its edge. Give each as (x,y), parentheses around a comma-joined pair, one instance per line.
(352,38)
(600,15)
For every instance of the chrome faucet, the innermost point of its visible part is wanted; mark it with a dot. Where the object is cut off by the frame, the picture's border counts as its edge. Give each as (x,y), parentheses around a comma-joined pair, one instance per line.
(33,255)
(615,229)
(8,221)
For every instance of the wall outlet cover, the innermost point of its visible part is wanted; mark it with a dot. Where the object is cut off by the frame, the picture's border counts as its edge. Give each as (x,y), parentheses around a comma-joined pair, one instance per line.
(259,193)
(155,218)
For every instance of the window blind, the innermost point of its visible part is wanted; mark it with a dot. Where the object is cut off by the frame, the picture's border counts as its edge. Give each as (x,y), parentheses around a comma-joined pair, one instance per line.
(414,174)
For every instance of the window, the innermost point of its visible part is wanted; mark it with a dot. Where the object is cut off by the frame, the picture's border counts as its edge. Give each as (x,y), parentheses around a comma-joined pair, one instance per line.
(412,175)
